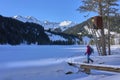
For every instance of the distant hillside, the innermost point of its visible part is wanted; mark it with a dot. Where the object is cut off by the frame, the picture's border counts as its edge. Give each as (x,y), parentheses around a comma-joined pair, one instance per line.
(62,38)
(77,29)
(115,24)
(80,28)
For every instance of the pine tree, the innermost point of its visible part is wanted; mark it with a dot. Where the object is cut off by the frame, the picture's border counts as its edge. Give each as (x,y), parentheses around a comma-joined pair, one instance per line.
(103,8)
(110,10)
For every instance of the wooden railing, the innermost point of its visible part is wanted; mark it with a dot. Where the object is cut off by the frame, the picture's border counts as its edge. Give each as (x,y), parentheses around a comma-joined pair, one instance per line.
(88,67)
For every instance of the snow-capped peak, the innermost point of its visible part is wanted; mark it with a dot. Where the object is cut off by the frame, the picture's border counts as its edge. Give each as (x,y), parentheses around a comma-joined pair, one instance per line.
(45,21)
(17,16)
(46,24)
(26,19)
(65,23)
(21,18)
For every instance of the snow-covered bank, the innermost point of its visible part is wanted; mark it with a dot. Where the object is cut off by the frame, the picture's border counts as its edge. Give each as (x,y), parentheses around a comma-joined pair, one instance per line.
(50,63)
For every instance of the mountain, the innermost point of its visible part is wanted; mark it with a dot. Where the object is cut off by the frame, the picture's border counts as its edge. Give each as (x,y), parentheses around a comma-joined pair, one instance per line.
(27,19)
(15,32)
(83,30)
(29,30)
(82,27)
(54,26)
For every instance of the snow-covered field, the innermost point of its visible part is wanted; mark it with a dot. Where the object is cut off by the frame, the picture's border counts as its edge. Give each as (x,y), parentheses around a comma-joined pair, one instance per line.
(32,62)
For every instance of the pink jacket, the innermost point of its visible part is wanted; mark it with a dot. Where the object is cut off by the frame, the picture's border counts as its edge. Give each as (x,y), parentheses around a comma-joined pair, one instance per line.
(88,50)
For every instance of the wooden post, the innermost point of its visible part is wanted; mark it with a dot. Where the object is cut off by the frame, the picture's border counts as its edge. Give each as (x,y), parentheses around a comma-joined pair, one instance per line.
(87,70)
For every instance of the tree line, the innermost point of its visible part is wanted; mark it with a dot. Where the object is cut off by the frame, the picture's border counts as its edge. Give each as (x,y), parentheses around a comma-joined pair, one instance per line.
(15,32)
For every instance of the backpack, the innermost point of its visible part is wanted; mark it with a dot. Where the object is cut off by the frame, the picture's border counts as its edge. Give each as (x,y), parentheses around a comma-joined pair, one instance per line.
(91,50)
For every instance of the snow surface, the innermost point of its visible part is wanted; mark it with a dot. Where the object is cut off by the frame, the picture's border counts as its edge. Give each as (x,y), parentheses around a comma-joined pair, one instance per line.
(54,37)
(49,62)
(86,40)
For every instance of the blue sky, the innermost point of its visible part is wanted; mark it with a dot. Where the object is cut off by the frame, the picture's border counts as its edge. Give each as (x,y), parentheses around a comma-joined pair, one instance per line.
(51,10)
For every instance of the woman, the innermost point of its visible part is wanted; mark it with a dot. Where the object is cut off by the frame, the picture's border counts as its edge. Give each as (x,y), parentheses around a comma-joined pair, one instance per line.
(88,53)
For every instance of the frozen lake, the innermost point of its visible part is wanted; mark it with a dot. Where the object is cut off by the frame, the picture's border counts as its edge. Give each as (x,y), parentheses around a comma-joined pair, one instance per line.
(34,52)
(32,62)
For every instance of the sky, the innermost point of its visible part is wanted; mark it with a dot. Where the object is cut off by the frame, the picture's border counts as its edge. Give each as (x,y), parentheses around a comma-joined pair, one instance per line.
(51,10)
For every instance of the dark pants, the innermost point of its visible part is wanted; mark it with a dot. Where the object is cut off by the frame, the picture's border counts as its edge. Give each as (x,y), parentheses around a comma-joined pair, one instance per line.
(89,59)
